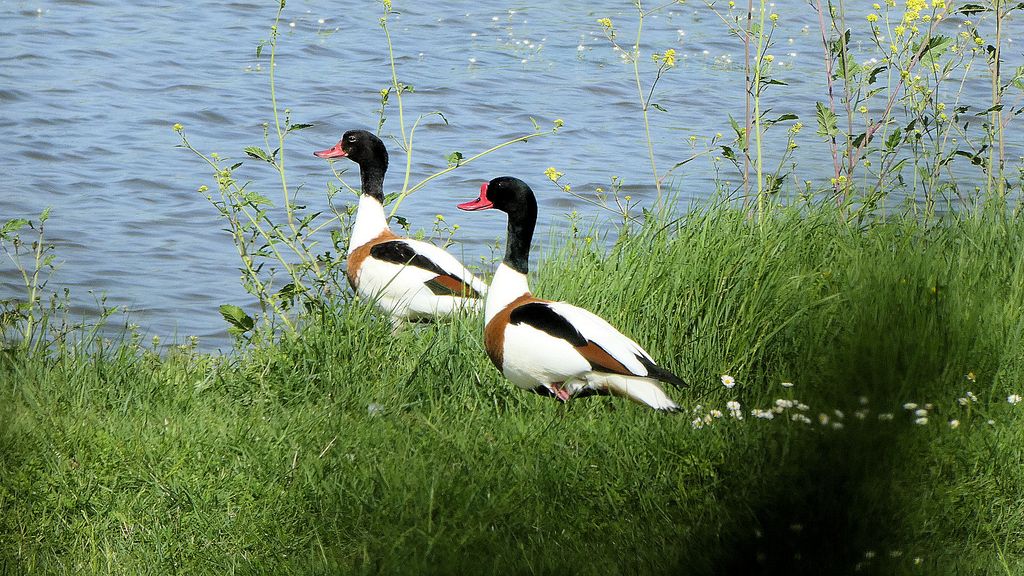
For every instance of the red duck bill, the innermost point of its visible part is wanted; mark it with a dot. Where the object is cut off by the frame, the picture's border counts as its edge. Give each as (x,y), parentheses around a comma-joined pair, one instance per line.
(481,203)
(335,152)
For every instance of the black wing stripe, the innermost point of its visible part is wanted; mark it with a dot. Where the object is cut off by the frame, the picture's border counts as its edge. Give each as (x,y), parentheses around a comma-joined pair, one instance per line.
(540,316)
(398,252)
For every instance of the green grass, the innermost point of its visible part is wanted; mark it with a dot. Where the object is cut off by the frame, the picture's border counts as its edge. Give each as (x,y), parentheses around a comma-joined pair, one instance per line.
(349,450)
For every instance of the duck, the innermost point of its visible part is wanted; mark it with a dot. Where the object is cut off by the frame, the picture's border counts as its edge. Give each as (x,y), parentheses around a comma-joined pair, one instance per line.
(554,348)
(410,280)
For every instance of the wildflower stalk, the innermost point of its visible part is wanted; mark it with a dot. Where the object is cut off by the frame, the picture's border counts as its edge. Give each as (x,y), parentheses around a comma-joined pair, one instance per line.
(750,87)
(758,164)
(997,157)
(833,145)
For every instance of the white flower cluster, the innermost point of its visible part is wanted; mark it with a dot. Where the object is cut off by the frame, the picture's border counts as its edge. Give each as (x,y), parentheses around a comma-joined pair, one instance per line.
(967,398)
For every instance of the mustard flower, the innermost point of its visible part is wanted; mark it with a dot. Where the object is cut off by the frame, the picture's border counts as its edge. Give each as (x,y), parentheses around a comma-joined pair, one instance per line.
(773,17)
(979,40)
(178,127)
(670,57)
(863,109)
(606,22)
(876,6)
(553,174)
(899,30)
(917,5)
(872,17)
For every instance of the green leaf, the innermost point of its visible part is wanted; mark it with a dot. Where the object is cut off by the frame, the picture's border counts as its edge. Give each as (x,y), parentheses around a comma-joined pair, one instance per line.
(13,226)
(874,74)
(239,320)
(970,9)
(782,118)
(658,106)
(894,139)
(728,153)
(827,123)
(937,46)
(257,153)
(454,159)
(736,128)
(295,127)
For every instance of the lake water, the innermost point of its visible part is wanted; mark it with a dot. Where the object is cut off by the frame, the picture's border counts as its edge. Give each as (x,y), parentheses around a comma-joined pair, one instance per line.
(90,89)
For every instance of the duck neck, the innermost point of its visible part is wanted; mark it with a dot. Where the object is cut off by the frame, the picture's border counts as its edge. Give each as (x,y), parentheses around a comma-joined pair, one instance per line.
(521,221)
(510,280)
(372,179)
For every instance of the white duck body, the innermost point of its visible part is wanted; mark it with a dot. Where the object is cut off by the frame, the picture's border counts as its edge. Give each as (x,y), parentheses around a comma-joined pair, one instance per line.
(407,279)
(555,348)
(399,284)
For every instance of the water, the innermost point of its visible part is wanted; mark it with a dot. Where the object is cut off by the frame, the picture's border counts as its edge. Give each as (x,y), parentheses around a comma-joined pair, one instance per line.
(89,90)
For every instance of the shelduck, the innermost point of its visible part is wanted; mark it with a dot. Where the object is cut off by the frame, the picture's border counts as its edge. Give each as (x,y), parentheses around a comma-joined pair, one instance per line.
(408,279)
(554,348)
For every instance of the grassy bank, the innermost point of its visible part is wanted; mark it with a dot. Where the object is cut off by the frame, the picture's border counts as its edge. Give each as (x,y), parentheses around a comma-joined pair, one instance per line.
(349,450)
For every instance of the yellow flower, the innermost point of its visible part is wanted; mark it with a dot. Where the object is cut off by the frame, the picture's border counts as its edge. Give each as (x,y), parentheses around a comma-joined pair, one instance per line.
(773,17)
(606,22)
(558,122)
(872,17)
(917,5)
(863,109)
(899,30)
(876,6)
(553,174)
(566,188)
(938,4)
(178,127)
(978,40)
(769,58)
(670,57)
(732,4)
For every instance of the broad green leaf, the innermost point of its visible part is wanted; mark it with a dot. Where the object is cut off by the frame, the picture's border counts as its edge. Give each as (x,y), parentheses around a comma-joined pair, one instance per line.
(13,226)
(827,123)
(239,320)
(257,153)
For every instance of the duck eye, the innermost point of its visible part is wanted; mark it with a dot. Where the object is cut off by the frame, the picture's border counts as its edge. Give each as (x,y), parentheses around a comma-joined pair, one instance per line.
(351,138)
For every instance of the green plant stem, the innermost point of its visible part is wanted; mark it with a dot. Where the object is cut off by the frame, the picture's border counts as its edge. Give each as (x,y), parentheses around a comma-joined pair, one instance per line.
(645,103)
(759,164)
(461,163)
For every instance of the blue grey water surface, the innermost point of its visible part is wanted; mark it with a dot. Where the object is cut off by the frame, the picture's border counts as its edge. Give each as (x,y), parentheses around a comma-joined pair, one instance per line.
(90,89)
